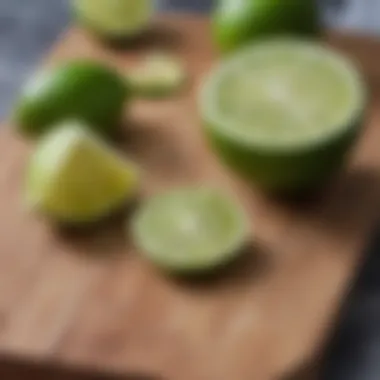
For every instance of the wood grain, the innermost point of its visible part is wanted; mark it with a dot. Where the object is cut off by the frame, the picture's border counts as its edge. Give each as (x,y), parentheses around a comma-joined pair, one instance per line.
(91,300)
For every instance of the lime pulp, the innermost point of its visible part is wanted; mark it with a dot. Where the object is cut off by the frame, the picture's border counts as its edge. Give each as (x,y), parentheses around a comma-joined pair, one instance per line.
(283,94)
(159,75)
(75,178)
(190,229)
(283,111)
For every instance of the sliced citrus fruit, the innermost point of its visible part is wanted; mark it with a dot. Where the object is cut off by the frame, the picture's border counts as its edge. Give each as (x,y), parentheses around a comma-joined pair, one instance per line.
(190,229)
(76,178)
(284,112)
(79,89)
(114,18)
(159,75)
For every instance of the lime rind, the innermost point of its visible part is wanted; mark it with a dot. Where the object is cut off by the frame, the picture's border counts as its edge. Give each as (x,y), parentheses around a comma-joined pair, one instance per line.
(190,230)
(234,129)
(236,23)
(80,89)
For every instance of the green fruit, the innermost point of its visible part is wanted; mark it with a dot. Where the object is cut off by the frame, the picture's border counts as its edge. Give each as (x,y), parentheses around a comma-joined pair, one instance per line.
(83,90)
(237,22)
(190,230)
(284,113)
(159,76)
(75,178)
(114,19)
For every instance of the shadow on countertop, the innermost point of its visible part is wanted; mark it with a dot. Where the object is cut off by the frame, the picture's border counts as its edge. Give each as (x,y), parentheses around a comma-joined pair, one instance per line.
(19,369)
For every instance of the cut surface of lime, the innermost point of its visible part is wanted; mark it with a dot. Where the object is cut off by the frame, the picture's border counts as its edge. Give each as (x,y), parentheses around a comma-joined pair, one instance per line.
(282,98)
(283,94)
(190,229)
(76,178)
(159,75)
(114,18)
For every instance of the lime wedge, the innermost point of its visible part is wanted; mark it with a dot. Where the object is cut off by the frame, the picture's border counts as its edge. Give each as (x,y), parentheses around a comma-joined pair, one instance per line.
(284,112)
(75,178)
(159,75)
(114,18)
(190,229)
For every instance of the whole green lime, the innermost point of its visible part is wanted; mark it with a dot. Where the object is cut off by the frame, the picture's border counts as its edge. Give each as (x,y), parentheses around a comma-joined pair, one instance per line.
(82,89)
(284,113)
(236,22)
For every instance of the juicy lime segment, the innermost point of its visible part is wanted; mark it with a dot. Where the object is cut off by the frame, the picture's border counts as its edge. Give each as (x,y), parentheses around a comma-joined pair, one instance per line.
(160,75)
(190,229)
(75,178)
(283,94)
(284,112)
(114,17)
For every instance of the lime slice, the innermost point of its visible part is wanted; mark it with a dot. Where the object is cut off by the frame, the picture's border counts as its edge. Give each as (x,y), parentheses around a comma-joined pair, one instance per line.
(284,112)
(159,75)
(114,18)
(76,178)
(190,229)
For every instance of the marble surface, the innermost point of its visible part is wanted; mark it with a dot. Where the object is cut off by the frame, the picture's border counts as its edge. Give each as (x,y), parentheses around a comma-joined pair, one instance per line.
(29,27)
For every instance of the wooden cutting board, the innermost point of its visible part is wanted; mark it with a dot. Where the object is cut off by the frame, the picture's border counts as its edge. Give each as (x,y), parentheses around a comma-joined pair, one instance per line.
(89,299)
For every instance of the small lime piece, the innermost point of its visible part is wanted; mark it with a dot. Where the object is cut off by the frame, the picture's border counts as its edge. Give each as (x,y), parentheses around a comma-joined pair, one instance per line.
(190,230)
(160,75)
(114,18)
(284,112)
(80,89)
(239,22)
(76,178)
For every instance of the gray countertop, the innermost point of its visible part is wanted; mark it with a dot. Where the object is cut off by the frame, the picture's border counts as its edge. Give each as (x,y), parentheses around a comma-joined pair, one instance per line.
(29,27)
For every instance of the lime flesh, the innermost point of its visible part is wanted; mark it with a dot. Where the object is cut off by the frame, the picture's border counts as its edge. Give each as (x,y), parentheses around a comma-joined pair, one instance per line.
(114,18)
(284,112)
(190,229)
(75,178)
(159,75)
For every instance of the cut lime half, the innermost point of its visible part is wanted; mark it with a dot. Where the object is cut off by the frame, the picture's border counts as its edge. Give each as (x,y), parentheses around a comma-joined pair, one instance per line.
(75,178)
(114,18)
(190,230)
(283,111)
